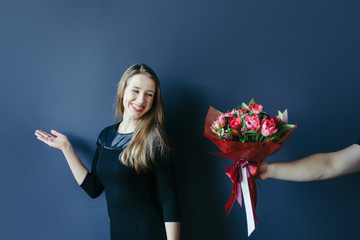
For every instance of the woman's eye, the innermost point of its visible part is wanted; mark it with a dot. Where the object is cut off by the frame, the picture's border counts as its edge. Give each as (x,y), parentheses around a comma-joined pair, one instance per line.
(135,91)
(150,95)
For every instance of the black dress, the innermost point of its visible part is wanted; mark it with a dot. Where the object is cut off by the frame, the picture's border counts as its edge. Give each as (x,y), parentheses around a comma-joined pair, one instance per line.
(138,204)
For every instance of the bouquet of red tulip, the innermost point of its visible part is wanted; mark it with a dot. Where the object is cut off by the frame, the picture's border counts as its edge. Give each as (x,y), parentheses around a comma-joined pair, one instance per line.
(247,135)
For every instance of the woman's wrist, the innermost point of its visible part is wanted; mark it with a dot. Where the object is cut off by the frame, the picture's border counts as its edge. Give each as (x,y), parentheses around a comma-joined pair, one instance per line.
(66,147)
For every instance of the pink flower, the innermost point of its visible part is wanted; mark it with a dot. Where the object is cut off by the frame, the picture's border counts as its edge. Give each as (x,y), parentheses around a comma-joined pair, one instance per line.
(256,108)
(252,122)
(242,111)
(235,122)
(214,130)
(276,121)
(221,121)
(227,114)
(268,127)
(239,112)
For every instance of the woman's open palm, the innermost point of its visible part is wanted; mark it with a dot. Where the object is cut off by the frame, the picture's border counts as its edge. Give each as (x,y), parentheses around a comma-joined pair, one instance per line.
(57,140)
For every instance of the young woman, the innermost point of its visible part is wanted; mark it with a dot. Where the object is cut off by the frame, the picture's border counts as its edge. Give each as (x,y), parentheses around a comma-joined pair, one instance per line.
(318,166)
(131,163)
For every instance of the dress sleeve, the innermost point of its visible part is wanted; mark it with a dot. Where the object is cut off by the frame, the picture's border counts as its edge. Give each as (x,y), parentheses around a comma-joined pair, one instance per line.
(92,184)
(165,183)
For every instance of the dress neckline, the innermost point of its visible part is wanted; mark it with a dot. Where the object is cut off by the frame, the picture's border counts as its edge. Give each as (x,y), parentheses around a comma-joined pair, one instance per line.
(116,130)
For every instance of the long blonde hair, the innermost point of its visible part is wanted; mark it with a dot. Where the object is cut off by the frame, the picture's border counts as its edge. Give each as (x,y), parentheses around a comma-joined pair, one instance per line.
(149,138)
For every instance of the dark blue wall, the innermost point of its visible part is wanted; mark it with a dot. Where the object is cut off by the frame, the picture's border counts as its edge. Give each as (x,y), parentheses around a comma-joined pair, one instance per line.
(60,63)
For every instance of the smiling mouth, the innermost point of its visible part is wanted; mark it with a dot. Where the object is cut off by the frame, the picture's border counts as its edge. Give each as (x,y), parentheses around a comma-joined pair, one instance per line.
(137,108)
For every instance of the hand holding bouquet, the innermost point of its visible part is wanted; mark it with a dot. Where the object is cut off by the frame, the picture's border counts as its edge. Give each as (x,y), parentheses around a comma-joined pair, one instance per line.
(247,135)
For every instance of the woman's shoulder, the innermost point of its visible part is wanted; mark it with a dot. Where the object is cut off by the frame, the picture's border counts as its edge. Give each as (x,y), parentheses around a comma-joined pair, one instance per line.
(107,133)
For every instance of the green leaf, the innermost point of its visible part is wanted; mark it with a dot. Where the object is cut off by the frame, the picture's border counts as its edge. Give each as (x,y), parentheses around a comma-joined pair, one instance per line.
(280,116)
(243,123)
(275,139)
(252,101)
(289,126)
(245,106)
(252,131)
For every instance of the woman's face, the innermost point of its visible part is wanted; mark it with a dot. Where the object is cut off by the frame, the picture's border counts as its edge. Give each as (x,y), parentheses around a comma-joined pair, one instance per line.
(138,96)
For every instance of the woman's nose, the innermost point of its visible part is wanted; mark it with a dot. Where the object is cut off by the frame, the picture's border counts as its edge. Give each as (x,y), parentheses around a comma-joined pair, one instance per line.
(140,98)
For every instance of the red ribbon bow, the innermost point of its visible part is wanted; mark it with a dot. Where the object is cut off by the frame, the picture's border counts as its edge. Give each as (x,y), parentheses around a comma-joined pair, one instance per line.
(234,173)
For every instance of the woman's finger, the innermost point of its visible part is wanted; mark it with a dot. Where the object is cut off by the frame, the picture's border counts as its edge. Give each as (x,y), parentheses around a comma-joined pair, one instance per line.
(42,133)
(39,134)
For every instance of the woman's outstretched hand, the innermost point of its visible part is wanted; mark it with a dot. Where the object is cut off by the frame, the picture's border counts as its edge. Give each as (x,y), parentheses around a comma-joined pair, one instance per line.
(61,142)
(57,140)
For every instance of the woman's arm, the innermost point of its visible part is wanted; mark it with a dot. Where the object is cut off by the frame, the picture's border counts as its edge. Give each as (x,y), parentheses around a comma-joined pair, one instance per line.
(61,142)
(165,182)
(314,167)
(172,230)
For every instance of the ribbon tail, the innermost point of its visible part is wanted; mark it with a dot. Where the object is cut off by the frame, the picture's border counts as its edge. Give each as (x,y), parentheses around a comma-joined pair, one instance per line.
(231,201)
(239,193)
(249,208)
(253,193)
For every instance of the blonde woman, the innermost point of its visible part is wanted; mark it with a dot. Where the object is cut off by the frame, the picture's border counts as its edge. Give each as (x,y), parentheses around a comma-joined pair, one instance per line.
(131,163)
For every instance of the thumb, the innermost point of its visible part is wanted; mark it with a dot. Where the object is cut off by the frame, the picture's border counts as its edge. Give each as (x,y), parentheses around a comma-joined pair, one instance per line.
(55,133)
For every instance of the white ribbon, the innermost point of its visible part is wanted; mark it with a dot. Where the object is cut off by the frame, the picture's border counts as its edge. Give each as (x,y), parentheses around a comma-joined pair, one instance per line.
(247,201)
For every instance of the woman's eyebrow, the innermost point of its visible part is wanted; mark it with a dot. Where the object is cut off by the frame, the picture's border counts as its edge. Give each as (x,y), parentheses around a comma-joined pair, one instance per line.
(146,90)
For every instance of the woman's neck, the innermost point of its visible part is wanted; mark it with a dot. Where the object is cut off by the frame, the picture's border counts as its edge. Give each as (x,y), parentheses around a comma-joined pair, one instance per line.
(127,126)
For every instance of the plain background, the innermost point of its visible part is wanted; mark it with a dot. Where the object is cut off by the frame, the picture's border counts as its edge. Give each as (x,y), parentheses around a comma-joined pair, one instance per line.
(61,61)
